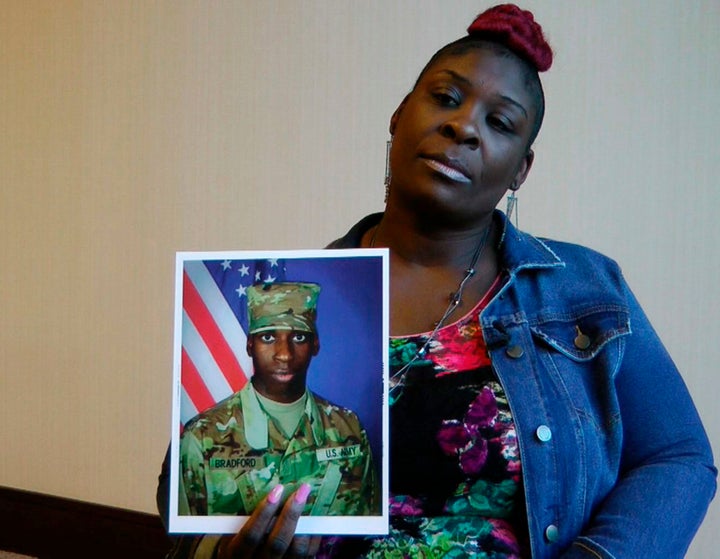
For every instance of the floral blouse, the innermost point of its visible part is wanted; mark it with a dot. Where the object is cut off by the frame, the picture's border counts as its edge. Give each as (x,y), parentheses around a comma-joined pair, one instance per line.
(455,475)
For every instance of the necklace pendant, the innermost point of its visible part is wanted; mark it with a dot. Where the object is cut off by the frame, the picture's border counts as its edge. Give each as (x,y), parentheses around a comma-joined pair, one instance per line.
(394,394)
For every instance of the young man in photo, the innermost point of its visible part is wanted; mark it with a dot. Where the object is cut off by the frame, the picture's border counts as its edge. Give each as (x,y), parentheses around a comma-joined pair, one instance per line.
(275,431)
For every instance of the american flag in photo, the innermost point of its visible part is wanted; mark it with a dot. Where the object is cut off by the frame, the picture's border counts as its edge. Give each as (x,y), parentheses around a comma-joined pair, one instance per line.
(214,361)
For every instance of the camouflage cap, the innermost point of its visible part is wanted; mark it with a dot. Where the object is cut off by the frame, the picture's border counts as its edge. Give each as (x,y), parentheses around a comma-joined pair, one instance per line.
(282,306)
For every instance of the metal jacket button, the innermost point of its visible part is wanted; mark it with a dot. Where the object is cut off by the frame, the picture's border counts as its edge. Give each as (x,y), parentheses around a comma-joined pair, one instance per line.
(581,340)
(552,533)
(515,351)
(543,433)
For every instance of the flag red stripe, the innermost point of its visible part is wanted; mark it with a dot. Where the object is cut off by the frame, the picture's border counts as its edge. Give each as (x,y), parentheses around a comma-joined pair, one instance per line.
(194,386)
(212,336)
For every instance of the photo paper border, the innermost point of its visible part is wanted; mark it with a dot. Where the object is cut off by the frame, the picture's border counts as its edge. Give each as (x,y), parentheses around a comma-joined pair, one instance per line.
(321,525)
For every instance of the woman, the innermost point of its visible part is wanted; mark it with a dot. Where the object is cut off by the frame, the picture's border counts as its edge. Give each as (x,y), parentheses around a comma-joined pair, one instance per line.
(535,413)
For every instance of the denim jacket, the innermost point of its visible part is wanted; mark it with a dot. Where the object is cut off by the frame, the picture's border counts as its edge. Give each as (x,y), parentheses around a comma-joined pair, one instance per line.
(616,463)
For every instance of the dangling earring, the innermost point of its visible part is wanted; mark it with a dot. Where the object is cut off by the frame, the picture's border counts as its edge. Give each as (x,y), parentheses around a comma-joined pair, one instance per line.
(388,146)
(512,201)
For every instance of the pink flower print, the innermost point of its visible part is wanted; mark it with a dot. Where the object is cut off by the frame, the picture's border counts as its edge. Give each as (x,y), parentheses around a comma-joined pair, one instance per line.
(405,505)
(508,443)
(453,437)
(460,349)
(506,536)
(474,457)
(483,410)
(464,439)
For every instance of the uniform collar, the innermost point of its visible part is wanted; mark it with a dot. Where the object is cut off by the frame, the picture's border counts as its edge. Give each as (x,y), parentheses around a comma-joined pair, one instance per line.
(256,421)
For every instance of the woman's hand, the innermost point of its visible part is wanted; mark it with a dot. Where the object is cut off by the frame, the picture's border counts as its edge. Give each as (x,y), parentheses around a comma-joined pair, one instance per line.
(268,534)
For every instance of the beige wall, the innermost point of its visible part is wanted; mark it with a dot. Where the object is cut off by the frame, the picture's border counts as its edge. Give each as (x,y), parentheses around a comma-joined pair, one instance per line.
(130,130)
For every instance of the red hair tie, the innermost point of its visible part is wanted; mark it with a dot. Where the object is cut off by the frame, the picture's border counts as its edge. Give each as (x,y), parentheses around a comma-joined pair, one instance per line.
(517,30)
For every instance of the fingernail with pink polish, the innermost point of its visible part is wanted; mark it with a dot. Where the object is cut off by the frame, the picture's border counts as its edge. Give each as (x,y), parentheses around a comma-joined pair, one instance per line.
(275,494)
(301,494)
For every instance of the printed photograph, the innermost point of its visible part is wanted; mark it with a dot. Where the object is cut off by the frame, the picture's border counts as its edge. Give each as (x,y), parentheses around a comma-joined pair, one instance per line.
(280,378)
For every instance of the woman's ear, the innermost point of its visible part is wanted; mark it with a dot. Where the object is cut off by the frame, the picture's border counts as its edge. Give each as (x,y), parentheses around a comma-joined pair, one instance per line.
(524,169)
(396,115)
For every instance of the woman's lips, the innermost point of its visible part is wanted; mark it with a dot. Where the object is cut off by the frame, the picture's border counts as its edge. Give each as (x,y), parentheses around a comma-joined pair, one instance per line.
(447,169)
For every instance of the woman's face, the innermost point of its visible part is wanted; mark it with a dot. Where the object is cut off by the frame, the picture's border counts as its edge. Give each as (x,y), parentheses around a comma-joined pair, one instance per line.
(460,138)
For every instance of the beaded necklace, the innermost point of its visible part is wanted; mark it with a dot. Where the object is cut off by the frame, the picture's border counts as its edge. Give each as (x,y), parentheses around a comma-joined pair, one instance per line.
(397,380)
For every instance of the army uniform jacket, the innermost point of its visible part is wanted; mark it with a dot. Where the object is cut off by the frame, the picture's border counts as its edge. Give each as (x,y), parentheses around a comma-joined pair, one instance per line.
(232,455)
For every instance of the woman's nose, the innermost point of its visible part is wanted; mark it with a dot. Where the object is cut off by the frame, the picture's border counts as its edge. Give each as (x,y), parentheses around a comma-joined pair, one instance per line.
(462,127)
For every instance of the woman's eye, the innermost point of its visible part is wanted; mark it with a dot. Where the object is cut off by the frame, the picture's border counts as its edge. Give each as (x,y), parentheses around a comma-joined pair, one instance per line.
(446,99)
(500,123)
(300,338)
(267,338)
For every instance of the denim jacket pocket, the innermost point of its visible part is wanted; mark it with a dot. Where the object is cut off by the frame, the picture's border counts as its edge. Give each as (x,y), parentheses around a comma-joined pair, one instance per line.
(581,335)
(579,353)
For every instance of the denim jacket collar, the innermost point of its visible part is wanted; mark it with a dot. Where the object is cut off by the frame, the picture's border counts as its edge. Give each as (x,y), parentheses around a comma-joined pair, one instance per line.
(521,251)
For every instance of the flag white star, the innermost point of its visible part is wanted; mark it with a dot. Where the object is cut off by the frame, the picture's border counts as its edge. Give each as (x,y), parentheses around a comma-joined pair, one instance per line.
(241,290)
(273,261)
(244,270)
(257,276)
(269,279)
(225,265)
